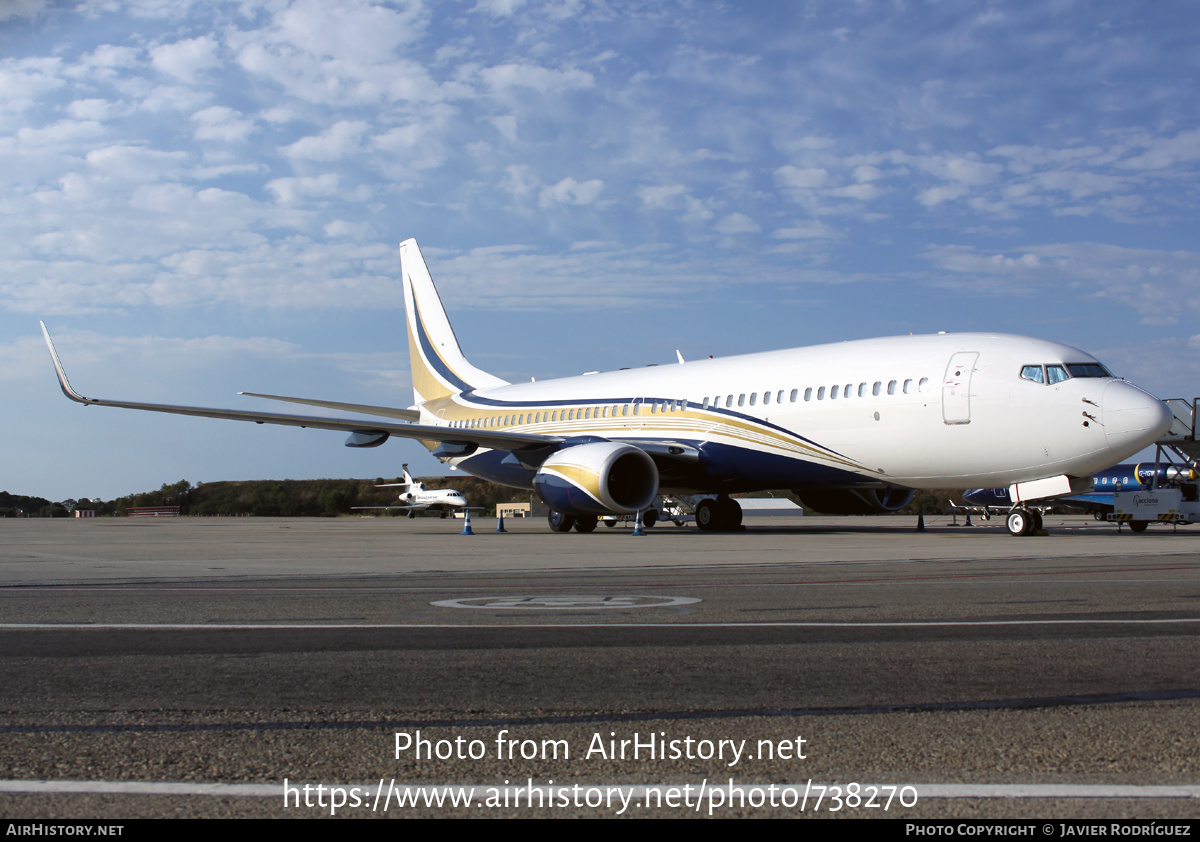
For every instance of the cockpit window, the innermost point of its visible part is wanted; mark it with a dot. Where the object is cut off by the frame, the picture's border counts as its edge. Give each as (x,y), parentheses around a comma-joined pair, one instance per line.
(1052,373)
(1088,370)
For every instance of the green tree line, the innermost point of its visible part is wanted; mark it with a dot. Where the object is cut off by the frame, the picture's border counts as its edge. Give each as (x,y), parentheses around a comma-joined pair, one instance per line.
(319,497)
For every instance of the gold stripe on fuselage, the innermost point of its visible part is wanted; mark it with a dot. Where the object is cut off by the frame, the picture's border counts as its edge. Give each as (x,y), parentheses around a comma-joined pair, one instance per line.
(686,424)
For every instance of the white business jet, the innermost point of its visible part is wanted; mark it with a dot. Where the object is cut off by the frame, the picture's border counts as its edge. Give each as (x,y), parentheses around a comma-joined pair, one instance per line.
(853,427)
(414,497)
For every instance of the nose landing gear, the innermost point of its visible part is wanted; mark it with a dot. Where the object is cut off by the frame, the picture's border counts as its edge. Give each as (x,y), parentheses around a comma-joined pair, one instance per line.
(1023,522)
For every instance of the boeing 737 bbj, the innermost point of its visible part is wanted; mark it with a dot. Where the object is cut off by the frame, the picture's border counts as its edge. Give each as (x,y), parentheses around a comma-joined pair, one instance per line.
(851,427)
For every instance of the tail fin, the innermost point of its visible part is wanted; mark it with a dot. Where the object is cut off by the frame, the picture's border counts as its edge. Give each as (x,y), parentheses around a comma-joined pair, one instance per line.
(439,368)
(408,480)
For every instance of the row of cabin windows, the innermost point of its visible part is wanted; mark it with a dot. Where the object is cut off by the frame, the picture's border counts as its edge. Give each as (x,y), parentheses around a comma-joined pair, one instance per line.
(821,392)
(615,411)
(654,407)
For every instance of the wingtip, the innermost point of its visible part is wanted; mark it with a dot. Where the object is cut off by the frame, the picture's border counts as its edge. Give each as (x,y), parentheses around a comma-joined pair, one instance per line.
(63,383)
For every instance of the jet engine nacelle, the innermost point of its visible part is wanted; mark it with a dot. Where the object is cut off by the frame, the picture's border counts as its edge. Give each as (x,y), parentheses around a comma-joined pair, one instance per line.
(858,501)
(598,478)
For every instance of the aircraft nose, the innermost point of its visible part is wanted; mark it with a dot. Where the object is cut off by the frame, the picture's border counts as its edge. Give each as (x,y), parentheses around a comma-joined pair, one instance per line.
(1133,419)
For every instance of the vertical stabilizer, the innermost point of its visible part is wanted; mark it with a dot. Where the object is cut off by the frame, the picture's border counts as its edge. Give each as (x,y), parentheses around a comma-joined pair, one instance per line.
(439,368)
(409,483)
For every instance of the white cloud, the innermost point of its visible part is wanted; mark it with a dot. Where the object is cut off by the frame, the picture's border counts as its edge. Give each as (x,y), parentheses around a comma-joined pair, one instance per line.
(520,180)
(290,190)
(337,53)
(541,79)
(571,192)
(809,231)
(936,195)
(10,9)
(665,196)
(802,178)
(221,123)
(1150,281)
(737,223)
(25,82)
(498,8)
(339,141)
(186,60)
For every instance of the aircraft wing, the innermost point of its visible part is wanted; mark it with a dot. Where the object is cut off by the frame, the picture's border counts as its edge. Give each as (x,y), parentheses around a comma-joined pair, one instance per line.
(374,432)
(365,409)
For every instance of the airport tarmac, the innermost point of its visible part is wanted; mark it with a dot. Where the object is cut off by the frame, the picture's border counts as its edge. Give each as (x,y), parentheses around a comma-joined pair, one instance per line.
(187,667)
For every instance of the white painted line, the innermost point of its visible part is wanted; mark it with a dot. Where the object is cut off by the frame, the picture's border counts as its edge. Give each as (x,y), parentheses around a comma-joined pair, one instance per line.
(916,624)
(276,790)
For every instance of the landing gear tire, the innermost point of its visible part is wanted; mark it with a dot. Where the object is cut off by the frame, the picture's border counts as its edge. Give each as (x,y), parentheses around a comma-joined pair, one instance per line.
(1019,523)
(706,516)
(1138,526)
(649,518)
(720,515)
(559,522)
(586,523)
(610,523)
(731,515)
(1037,521)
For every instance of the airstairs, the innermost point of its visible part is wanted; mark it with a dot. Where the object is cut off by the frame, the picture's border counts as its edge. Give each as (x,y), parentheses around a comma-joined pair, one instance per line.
(1181,438)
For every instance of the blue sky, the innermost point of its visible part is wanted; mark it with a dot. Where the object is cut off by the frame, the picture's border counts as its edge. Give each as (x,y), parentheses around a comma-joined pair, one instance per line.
(206,197)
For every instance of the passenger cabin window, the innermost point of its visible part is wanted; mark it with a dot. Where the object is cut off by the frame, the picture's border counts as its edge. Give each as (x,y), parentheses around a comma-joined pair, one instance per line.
(821,394)
(753,396)
(924,382)
(833,393)
(862,390)
(807,394)
(891,387)
(846,391)
(877,388)
(908,387)
(779,397)
(766,398)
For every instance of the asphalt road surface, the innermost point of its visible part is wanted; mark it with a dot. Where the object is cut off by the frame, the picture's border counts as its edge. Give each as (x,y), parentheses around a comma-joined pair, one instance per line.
(815,667)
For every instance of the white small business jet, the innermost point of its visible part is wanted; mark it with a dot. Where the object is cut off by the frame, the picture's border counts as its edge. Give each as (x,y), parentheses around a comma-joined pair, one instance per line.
(853,427)
(415,497)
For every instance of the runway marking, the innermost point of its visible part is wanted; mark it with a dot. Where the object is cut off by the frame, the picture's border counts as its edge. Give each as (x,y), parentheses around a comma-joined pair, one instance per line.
(1031,791)
(898,624)
(967,577)
(565,602)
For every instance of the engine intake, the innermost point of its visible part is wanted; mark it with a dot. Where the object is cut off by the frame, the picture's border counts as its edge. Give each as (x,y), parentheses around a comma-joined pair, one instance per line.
(598,478)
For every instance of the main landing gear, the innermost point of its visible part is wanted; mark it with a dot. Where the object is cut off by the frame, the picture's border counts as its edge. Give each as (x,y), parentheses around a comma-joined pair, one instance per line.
(1023,522)
(719,515)
(560,522)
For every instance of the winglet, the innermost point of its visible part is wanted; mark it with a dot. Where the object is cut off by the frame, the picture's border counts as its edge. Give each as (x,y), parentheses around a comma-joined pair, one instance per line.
(58,367)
